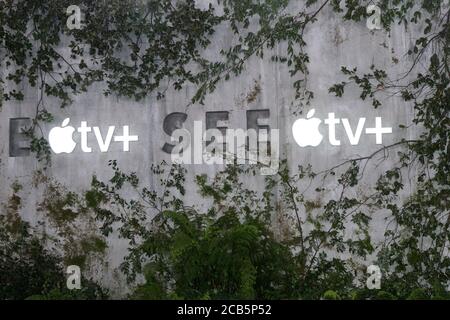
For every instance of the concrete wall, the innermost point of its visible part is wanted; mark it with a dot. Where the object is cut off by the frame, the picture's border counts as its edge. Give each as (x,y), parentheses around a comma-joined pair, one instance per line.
(332,43)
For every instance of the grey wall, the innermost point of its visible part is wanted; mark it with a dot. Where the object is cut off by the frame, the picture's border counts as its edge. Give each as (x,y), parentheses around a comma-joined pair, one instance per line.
(332,43)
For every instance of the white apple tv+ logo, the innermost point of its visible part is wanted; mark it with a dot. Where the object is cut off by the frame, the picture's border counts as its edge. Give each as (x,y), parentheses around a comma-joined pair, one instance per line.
(306,131)
(60,138)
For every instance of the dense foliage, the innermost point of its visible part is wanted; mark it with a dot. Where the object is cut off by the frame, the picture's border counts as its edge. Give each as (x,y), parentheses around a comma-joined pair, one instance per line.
(29,270)
(138,49)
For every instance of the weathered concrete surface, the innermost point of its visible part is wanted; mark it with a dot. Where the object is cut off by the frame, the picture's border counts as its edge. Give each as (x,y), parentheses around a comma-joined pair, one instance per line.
(332,43)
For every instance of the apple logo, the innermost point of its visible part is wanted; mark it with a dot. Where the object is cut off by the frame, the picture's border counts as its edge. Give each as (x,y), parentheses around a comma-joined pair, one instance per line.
(60,138)
(306,131)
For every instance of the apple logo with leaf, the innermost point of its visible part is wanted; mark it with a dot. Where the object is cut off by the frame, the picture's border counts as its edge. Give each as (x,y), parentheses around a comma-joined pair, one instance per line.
(306,131)
(60,138)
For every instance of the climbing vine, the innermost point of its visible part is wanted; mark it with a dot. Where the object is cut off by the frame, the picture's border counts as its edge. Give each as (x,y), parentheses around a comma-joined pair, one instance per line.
(137,49)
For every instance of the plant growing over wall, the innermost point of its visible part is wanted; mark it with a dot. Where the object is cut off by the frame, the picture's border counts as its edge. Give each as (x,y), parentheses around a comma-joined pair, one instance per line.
(230,250)
(29,269)
(71,227)
(416,246)
(143,51)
